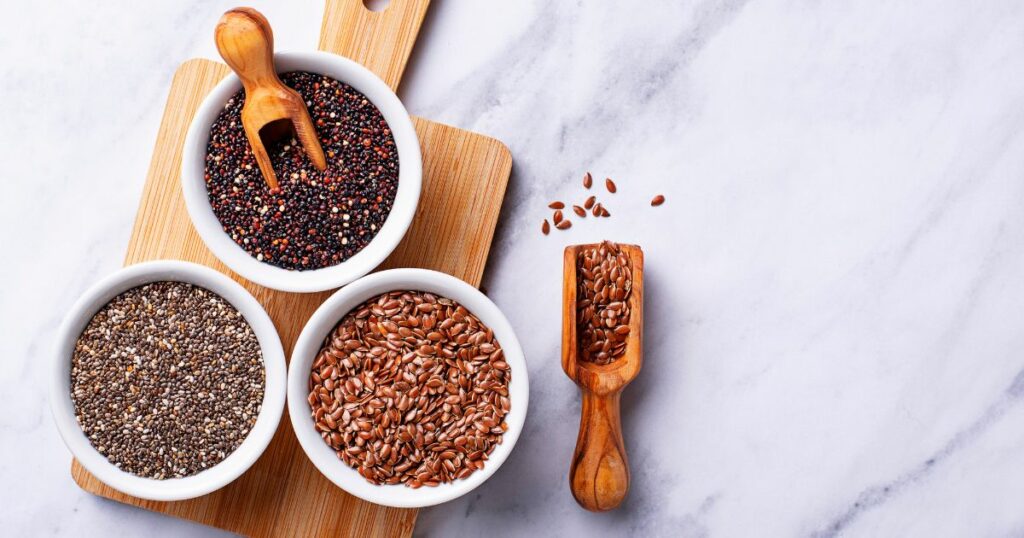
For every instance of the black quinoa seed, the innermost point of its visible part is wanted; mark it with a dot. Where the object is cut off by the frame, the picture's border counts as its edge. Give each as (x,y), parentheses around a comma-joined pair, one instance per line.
(315,219)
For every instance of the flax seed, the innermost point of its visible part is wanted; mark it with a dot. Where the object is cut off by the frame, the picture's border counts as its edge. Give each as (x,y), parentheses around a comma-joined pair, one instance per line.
(429,408)
(604,283)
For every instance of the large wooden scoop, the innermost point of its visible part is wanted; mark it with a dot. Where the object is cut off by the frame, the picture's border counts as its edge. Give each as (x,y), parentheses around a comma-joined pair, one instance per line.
(272,110)
(599,476)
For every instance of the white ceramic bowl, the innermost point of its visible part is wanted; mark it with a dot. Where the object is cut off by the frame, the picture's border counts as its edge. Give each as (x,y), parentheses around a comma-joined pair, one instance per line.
(410,172)
(328,316)
(60,381)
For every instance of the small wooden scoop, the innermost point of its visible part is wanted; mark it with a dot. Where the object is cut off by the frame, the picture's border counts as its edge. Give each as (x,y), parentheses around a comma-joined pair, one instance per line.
(272,110)
(599,475)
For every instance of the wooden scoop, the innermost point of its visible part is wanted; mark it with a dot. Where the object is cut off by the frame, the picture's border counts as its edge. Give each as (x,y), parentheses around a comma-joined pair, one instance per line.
(599,476)
(272,110)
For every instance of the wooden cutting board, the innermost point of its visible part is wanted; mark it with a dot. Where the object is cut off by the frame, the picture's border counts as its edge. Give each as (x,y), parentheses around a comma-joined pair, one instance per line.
(464,179)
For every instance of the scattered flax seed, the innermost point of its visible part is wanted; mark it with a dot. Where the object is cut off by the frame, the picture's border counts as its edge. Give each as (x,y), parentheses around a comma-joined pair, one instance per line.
(588,180)
(604,212)
(579,211)
(604,279)
(597,210)
(610,185)
(590,202)
(411,388)
(556,205)
(564,225)
(658,200)
(545,228)
(167,380)
(557,217)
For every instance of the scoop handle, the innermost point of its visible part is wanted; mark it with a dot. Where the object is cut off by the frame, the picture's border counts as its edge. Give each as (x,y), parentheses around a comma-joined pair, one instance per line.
(246,42)
(599,476)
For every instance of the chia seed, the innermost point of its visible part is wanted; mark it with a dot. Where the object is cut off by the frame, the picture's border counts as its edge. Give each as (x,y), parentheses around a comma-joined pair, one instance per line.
(315,218)
(167,380)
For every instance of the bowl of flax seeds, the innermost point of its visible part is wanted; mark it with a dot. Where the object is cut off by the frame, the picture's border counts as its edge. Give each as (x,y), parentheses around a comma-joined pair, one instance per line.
(408,388)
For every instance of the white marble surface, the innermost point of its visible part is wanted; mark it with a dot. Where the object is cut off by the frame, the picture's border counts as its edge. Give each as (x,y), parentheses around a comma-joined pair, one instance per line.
(834,343)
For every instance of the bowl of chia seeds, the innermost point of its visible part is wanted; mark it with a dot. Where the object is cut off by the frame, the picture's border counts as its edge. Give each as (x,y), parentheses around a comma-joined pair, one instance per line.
(168,380)
(319,229)
(408,388)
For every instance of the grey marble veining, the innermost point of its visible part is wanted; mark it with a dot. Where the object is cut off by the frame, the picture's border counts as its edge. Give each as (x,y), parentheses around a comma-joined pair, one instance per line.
(833,342)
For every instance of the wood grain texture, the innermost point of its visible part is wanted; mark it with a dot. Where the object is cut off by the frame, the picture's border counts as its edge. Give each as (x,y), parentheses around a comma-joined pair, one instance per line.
(272,110)
(382,41)
(599,471)
(599,474)
(464,180)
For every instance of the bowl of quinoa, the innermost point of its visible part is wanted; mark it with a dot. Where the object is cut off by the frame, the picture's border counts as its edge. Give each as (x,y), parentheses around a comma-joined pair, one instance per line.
(168,380)
(319,229)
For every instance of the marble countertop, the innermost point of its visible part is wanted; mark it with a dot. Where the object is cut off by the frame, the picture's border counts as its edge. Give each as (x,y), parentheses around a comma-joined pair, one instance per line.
(834,291)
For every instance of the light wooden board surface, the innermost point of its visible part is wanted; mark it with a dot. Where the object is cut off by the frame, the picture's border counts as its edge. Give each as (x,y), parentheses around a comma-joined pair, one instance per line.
(464,180)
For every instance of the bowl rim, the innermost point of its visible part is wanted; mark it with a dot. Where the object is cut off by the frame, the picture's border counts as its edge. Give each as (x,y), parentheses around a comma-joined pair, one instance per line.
(326,318)
(213,478)
(410,178)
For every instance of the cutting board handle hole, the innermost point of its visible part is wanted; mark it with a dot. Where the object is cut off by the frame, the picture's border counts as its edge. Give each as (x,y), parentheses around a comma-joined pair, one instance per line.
(376,5)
